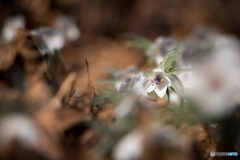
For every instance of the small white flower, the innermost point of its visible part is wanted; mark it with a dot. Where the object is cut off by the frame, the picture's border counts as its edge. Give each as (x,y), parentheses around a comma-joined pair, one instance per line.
(68,27)
(48,40)
(133,86)
(130,146)
(21,128)
(11,26)
(126,75)
(216,79)
(157,82)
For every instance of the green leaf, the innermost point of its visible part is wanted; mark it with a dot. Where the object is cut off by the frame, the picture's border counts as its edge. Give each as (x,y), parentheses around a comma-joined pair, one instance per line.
(107,81)
(148,73)
(110,71)
(169,53)
(178,91)
(167,68)
(169,75)
(140,38)
(179,71)
(150,60)
(139,42)
(170,60)
(139,45)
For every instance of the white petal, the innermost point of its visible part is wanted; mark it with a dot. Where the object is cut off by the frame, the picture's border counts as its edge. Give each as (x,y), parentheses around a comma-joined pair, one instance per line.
(158,70)
(118,84)
(160,90)
(147,84)
(129,147)
(123,88)
(138,88)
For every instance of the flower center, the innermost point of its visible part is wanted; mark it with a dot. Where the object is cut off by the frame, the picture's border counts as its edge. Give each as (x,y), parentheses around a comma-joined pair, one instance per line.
(158,79)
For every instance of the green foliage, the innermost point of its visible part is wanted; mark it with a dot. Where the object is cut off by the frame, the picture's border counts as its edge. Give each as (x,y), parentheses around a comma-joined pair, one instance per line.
(110,71)
(107,96)
(178,91)
(169,58)
(178,71)
(139,42)
(107,81)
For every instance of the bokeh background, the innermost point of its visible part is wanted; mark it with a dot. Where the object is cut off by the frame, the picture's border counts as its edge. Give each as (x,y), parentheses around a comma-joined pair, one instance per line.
(37,117)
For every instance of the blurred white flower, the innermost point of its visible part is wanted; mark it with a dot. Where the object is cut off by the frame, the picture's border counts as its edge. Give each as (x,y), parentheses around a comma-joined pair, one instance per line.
(68,27)
(157,82)
(126,106)
(198,42)
(11,26)
(130,146)
(216,80)
(134,86)
(20,128)
(186,79)
(160,48)
(174,97)
(126,75)
(48,40)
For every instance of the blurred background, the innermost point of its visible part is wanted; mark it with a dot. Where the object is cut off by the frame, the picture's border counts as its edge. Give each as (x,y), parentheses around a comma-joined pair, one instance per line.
(48,89)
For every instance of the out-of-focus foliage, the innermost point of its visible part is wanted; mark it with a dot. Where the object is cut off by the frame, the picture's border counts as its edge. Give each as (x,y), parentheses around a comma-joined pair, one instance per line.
(58,100)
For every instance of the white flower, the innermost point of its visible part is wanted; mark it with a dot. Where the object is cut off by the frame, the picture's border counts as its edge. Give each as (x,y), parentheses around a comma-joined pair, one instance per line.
(160,48)
(157,82)
(68,27)
(216,80)
(20,128)
(133,86)
(48,40)
(11,26)
(126,75)
(130,146)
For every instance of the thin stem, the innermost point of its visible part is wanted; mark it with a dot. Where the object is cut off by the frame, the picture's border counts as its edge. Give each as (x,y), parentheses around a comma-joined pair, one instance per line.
(179,81)
(182,89)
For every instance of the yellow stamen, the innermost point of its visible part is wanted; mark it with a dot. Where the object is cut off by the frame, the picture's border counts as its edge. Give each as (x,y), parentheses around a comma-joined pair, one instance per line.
(163,79)
(127,88)
(150,78)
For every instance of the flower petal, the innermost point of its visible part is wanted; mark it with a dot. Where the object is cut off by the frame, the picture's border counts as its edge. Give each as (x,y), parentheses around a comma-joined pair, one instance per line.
(160,90)
(139,89)
(123,88)
(158,70)
(147,84)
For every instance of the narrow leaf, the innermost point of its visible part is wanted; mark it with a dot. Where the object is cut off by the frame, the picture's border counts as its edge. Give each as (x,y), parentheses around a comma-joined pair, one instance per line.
(150,60)
(171,59)
(179,71)
(167,68)
(176,90)
(162,64)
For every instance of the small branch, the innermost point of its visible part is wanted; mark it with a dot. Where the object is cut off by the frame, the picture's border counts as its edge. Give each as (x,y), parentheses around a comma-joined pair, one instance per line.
(87,69)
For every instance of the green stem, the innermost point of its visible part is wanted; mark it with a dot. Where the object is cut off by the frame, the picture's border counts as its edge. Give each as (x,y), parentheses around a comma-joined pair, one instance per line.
(182,89)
